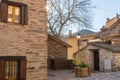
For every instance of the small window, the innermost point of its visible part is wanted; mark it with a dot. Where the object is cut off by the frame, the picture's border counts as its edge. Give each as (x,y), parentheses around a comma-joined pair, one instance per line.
(13,14)
(11,70)
(13,67)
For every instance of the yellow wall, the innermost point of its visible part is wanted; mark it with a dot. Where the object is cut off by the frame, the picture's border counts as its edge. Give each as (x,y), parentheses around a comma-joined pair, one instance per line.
(73,43)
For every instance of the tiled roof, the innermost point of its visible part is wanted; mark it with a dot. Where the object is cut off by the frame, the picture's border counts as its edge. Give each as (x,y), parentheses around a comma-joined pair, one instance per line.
(103,45)
(109,31)
(116,23)
(108,46)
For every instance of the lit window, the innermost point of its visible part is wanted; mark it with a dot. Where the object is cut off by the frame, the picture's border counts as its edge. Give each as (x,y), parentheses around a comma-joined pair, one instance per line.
(13,14)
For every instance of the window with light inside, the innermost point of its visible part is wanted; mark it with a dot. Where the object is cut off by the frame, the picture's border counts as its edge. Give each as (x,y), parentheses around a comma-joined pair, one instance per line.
(13,14)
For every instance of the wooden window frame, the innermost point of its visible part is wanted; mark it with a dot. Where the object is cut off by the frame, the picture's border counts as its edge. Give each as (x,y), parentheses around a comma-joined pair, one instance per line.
(22,66)
(12,57)
(13,14)
(4,11)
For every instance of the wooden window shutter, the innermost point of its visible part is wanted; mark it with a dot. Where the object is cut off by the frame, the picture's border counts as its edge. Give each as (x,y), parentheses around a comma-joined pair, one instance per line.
(2,69)
(0,12)
(24,14)
(4,11)
(23,69)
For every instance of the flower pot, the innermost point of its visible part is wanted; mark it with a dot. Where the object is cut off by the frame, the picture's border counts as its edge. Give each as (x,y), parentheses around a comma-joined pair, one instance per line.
(82,72)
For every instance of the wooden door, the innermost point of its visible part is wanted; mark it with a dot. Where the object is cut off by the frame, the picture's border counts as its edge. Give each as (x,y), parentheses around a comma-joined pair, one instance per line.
(96,60)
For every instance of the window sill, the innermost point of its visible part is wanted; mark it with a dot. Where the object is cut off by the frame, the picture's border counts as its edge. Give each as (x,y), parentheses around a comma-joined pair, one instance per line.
(13,24)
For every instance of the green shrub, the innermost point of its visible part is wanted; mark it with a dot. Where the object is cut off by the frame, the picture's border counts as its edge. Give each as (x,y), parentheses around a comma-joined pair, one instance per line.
(82,65)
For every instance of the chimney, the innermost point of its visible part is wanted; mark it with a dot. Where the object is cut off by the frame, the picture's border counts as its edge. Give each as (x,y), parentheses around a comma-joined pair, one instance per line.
(70,33)
(117,16)
(108,19)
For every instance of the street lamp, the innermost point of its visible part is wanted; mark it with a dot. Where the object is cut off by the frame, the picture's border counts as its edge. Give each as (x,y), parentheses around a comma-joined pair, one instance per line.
(78,42)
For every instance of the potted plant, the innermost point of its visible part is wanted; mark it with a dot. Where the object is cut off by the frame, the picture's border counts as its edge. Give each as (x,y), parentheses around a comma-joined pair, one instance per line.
(81,68)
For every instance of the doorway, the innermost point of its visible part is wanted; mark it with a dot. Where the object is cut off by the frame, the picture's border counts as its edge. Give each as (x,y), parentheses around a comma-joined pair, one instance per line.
(96,60)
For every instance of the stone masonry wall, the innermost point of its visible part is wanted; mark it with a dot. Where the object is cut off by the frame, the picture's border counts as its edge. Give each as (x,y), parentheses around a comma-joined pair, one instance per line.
(88,57)
(116,61)
(56,50)
(105,54)
(116,42)
(28,40)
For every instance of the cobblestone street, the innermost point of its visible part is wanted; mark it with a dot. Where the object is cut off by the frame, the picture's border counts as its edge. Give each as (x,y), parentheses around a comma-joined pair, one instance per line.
(69,75)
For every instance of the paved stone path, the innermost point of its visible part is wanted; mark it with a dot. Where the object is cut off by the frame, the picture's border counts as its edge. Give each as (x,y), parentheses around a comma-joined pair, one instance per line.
(69,75)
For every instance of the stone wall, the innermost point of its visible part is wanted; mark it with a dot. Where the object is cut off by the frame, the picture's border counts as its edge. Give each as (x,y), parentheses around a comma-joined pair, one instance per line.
(28,40)
(116,61)
(86,56)
(104,54)
(116,42)
(56,50)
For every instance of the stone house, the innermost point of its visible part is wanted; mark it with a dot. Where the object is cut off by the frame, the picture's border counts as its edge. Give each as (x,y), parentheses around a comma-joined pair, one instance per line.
(110,22)
(105,55)
(111,28)
(57,54)
(23,39)
(95,54)
(57,48)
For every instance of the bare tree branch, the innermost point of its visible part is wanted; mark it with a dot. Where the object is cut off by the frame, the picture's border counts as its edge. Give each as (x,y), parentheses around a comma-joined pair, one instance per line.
(63,13)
